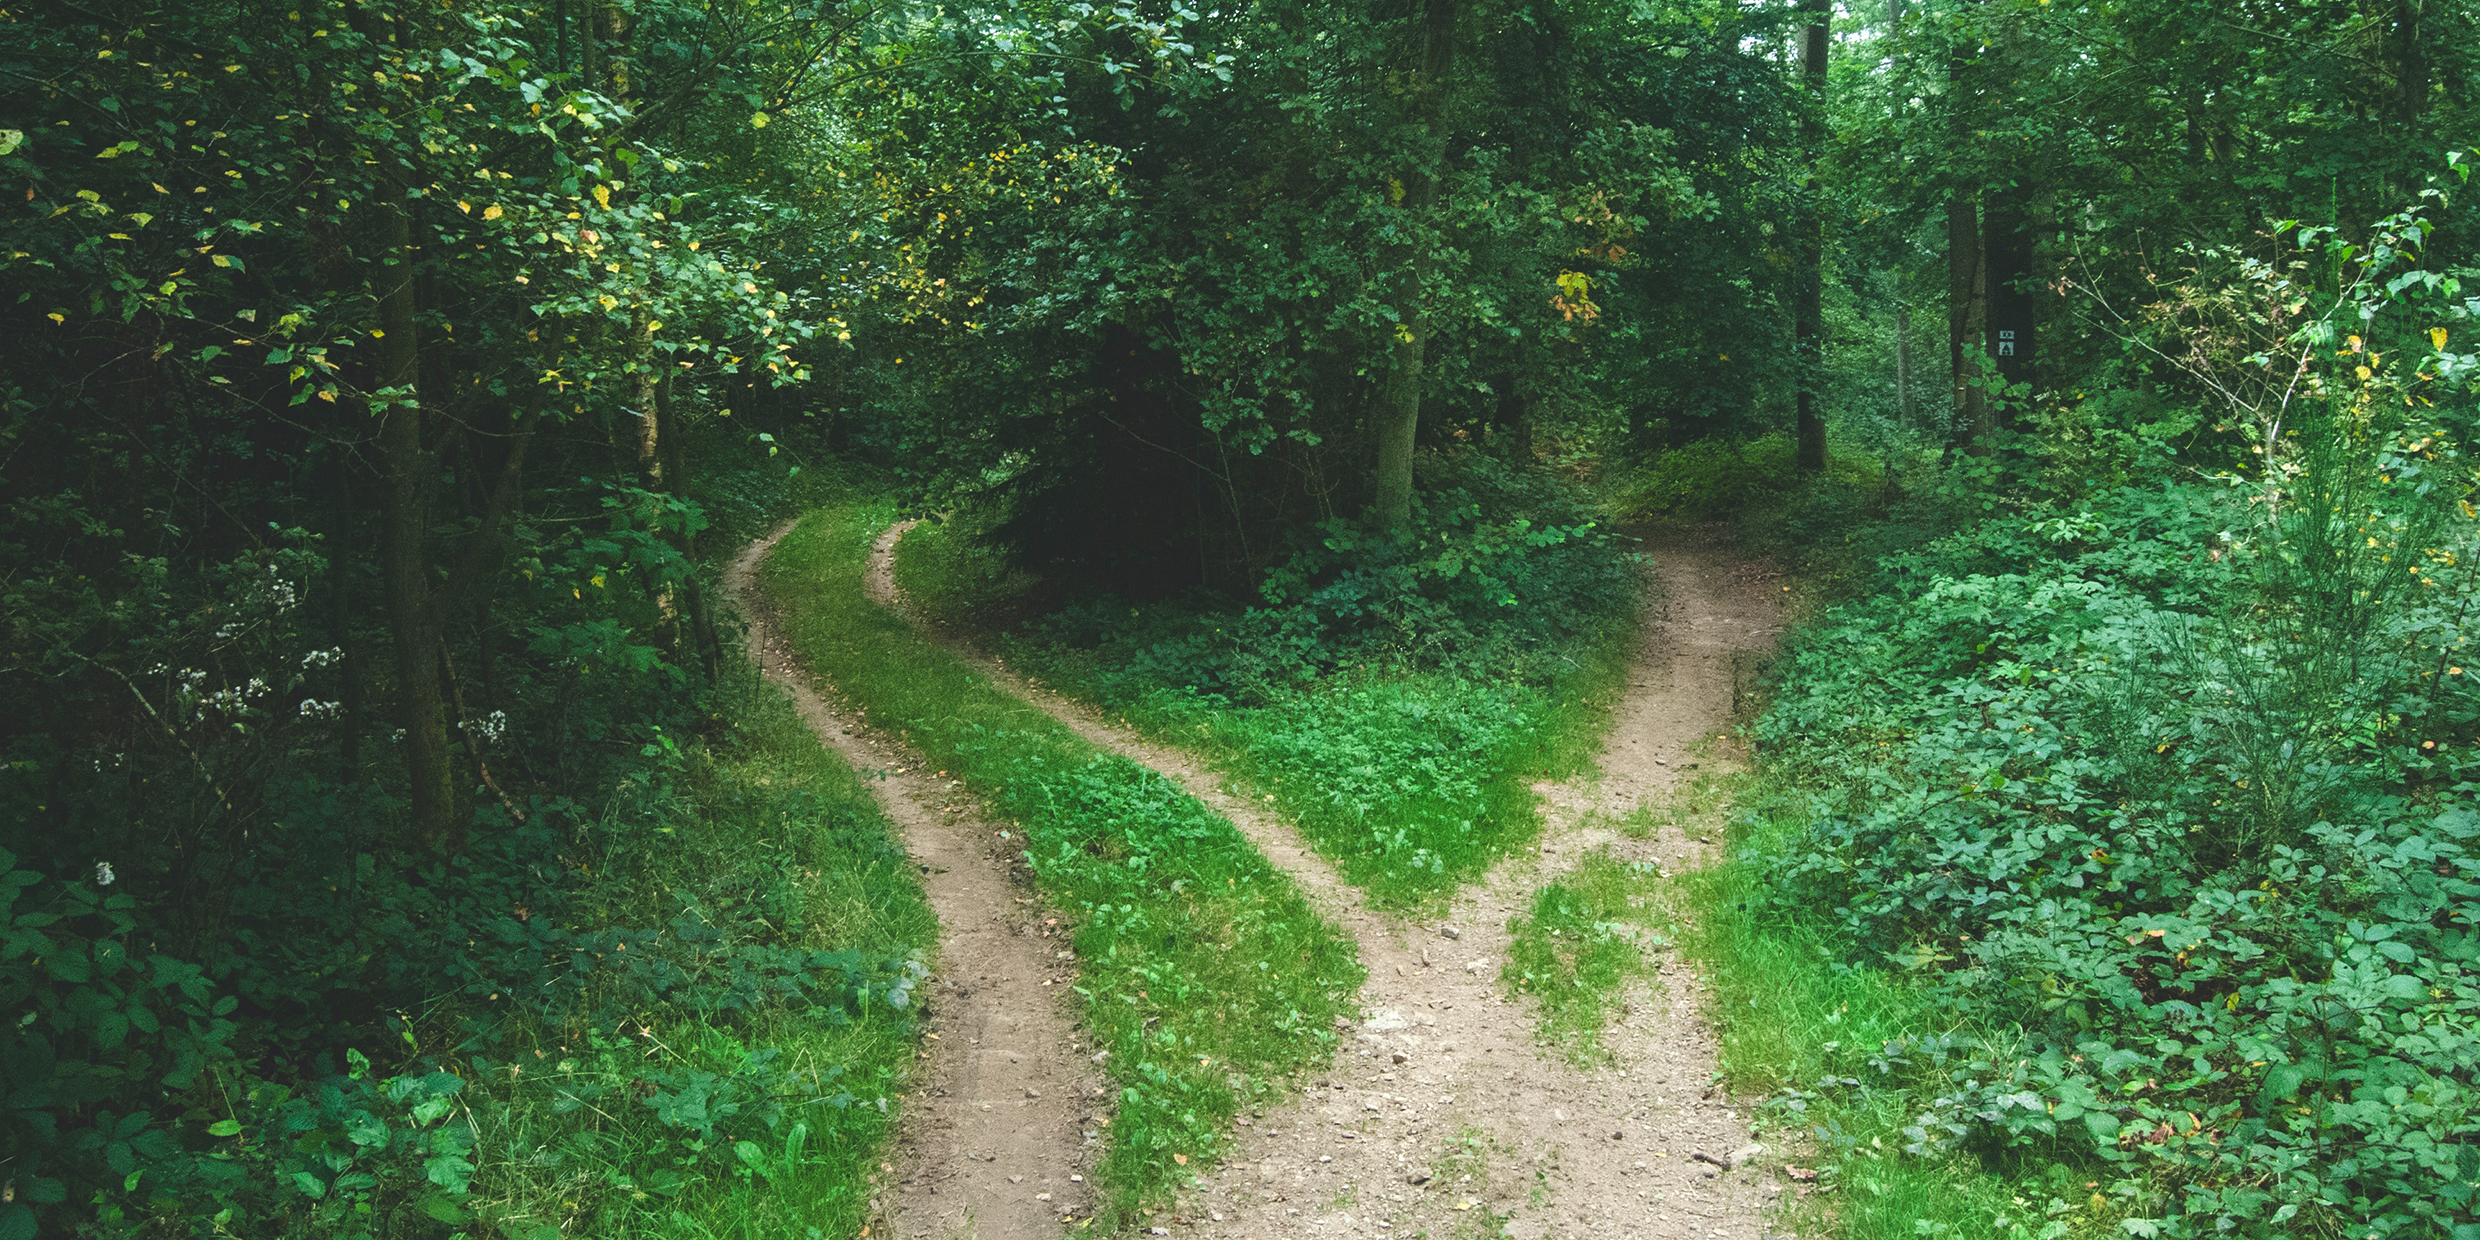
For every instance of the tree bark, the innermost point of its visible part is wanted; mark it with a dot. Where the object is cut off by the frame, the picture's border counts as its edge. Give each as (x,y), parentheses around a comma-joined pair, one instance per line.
(1809,326)
(406,476)
(1903,363)
(1967,306)
(1967,315)
(1396,416)
(2008,245)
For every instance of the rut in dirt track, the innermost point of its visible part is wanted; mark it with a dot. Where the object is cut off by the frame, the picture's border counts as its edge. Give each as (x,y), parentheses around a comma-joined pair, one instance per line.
(1443,1115)
(998,1120)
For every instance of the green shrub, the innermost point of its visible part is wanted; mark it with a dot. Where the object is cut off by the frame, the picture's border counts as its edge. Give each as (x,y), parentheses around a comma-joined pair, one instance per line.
(1707,479)
(2167,804)
(587,1020)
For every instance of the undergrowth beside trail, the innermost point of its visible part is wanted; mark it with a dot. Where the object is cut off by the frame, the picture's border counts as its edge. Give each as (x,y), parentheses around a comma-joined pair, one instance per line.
(1205,975)
(1397,703)
(756,1101)
(2112,864)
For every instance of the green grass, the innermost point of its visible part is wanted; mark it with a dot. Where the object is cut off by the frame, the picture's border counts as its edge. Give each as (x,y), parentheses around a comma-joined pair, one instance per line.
(1810,1030)
(1584,941)
(1412,782)
(565,1139)
(1203,971)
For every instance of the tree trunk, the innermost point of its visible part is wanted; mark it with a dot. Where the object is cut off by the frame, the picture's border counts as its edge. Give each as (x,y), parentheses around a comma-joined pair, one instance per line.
(2008,245)
(1809,327)
(1397,414)
(406,476)
(1903,363)
(1967,315)
(676,481)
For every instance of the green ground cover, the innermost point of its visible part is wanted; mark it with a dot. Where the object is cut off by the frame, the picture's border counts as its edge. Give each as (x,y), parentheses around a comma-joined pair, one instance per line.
(1397,704)
(725,1096)
(1204,973)
(1589,934)
(2111,864)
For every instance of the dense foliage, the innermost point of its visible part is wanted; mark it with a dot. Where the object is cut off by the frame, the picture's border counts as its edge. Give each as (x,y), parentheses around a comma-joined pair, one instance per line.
(392,845)
(2165,790)
(377,860)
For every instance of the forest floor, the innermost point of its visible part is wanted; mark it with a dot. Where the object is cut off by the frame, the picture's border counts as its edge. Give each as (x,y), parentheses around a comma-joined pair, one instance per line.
(1444,1115)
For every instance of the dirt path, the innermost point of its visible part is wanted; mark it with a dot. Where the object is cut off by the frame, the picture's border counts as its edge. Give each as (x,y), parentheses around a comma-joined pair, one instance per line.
(1443,1117)
(998,1135)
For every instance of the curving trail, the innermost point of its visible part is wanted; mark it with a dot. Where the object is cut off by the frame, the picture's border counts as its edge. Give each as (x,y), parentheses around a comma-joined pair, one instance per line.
(994,1141)
(1443,1116)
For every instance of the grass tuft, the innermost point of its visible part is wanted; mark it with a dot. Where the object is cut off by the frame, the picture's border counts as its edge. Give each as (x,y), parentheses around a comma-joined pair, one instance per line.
(1586,938)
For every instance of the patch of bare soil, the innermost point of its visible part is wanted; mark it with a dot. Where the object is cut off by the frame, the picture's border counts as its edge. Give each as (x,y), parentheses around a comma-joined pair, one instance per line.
(998,1133)
(1444,1116)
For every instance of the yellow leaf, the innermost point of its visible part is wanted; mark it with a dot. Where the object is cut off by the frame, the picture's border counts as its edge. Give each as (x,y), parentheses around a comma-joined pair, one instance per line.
(2437,338)
(491,212)
(608,301)
(758,121)
(222,261)
(1181,1159)
(56,318)
(602,196)
(2363,373)
(598,581)
(328,395)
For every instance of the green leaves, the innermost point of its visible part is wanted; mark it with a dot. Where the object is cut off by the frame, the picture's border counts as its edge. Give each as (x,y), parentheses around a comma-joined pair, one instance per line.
(2079,768)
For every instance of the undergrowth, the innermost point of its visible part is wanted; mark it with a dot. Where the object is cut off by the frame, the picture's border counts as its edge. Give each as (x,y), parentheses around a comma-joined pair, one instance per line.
(682,1013)
(2113,864)
(1397,701)
(1205,975)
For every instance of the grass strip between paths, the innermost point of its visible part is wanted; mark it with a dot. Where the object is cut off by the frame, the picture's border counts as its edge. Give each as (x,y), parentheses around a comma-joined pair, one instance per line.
(1205,973)
(1413,783)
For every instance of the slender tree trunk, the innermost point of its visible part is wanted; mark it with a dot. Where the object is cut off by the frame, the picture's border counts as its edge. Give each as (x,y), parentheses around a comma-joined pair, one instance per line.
(2410,57)
(1903,363)
(1967,306)
(1397,414)
(676,481)
(406,477)
(1809,328)
(1967,315)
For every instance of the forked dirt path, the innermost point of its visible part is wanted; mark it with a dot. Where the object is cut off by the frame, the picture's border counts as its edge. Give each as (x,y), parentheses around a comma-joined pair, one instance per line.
(993,1144)
(1443,1116)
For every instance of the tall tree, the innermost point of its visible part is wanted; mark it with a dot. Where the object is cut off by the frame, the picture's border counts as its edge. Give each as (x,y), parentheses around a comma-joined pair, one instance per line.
(1809,297)
(1395,415)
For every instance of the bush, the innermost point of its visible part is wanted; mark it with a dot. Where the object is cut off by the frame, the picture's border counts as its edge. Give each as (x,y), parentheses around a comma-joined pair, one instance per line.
(1707,479)
(740,896)
(2172,799)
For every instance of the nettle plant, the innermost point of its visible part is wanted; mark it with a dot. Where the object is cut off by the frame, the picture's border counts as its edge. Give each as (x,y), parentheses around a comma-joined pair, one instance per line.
(2171,794)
